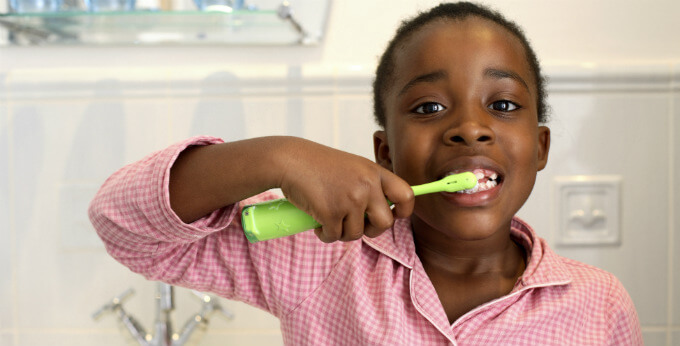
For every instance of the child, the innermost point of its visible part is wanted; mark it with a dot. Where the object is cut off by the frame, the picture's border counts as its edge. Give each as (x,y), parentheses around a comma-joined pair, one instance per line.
(458,89)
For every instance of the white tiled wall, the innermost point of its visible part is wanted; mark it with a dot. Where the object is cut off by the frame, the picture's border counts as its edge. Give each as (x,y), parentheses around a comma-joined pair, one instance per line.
(59,141)
(7,255)
(675,212)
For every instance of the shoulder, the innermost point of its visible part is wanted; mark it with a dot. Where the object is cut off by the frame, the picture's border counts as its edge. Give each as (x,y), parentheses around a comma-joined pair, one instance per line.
(602,297)
(595,282)
(622,321)
(601,286)
(583,272)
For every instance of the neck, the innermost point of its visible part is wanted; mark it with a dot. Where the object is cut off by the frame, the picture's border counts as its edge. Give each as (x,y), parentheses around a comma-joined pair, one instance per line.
(496,254)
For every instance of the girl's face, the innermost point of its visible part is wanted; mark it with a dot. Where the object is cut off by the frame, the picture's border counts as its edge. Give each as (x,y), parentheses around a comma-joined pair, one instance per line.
(463,98)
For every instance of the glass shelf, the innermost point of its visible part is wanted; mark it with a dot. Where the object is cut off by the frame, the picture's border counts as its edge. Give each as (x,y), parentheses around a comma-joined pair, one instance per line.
(247,27)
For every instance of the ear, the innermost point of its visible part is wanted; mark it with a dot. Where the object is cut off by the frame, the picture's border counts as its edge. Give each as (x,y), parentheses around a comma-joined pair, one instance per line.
(381,149)
(543,146)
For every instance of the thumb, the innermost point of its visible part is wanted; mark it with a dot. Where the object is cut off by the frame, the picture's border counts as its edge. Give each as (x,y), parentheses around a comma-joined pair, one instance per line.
(399,192)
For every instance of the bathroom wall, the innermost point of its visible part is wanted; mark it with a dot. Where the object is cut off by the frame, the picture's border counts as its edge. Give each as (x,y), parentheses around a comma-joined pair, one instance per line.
(68,121)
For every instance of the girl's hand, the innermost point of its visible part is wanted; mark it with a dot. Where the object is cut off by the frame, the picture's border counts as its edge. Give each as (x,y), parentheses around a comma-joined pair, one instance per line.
(345,193)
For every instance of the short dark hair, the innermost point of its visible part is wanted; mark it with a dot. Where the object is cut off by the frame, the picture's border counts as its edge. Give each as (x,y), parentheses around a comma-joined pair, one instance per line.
(451,11)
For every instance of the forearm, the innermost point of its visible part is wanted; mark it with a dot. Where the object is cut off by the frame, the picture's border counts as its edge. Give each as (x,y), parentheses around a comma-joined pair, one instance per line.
(206,178)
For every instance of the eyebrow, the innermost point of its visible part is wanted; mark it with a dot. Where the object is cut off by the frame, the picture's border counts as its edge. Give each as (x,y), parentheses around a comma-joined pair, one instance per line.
(502,74)
(442,74)
(425,78)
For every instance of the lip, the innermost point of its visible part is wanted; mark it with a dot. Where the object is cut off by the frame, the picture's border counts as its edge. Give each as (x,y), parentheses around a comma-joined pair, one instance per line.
(477,199)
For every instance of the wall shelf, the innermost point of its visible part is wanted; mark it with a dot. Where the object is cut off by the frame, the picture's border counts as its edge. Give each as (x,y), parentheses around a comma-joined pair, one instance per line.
(213,26)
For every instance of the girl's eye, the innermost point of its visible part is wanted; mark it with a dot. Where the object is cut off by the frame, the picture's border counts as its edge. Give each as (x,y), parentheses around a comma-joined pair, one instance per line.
(504,106)
(429,108)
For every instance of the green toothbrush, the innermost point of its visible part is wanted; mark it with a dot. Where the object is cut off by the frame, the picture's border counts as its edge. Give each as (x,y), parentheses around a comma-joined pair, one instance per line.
(279,218)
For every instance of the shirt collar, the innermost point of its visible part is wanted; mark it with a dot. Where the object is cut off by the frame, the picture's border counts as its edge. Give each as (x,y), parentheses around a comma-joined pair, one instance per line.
(396,243)
(544,267)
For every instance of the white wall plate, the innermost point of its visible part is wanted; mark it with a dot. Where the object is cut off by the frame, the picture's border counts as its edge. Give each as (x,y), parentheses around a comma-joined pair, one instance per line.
(586,209)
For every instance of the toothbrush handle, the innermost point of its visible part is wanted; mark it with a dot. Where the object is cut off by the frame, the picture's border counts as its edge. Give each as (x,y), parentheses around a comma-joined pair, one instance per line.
(274,219)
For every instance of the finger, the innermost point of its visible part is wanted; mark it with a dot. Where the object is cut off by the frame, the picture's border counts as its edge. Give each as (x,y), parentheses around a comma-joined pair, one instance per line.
(353,225)
(326,234)
(379,216)
(319,234)
(331,229)
(372,231)
(398,192)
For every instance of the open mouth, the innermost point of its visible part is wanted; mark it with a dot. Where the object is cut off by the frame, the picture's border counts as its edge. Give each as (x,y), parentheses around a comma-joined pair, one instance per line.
(486,180)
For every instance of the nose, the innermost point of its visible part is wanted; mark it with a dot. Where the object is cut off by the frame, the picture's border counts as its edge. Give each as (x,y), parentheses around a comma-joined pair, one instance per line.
(469,131)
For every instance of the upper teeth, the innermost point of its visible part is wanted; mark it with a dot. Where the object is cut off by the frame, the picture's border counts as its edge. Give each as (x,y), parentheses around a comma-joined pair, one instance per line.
(483,186)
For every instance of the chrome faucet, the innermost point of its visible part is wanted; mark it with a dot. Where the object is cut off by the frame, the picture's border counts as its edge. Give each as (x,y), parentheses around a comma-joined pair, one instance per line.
(163,334)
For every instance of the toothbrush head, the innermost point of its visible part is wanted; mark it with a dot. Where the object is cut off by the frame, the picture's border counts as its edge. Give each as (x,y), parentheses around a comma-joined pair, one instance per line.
(451,183)
(458,182)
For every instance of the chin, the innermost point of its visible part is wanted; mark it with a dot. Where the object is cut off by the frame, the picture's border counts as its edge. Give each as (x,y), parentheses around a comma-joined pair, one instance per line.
(467,226)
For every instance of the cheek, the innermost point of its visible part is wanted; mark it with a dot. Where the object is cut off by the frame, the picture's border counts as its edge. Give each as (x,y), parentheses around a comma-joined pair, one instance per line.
(521,146)
(410,154)
(403,159)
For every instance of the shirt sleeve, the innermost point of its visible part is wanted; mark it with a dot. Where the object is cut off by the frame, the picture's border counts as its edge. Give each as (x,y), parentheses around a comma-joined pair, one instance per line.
(132,215)
(623,322)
